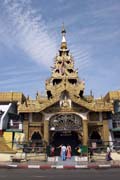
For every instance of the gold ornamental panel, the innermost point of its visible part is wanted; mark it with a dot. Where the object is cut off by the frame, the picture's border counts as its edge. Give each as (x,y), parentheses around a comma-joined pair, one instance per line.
(65,122)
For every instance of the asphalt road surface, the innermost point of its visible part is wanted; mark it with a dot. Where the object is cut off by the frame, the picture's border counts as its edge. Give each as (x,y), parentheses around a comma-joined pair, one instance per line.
(54,174)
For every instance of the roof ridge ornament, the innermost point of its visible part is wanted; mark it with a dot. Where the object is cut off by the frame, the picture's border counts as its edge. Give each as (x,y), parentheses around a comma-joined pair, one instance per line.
(63,30)
(63,42)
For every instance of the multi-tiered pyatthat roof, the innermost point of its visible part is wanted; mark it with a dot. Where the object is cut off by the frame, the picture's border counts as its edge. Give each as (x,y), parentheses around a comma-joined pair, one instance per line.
(64,76)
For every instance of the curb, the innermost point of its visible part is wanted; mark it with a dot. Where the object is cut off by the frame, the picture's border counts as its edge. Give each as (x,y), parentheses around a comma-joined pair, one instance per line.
(93,166)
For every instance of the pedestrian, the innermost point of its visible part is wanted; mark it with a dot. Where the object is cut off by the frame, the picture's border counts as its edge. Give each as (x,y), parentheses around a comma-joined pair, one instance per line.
(79,150)
(91,152)
(69,150)
(63,152)
(52,151)
(108,155)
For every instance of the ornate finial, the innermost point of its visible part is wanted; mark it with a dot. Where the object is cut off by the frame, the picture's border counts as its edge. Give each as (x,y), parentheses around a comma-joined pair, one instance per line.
(63,30)
(63,44)
(91,94)
(37,96)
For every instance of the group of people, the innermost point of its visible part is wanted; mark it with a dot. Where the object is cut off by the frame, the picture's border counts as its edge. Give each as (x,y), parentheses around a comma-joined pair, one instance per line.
(65,151)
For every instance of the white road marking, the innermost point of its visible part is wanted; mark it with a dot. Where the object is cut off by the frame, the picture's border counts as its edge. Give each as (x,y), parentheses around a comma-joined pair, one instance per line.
(13,165)
(104,165)
(81,166)
(34,166)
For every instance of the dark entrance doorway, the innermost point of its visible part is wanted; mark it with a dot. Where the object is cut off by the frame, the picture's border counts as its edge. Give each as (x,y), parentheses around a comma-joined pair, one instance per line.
(65,138)
(36,136)
(64,128)
(95,137)
(36,140)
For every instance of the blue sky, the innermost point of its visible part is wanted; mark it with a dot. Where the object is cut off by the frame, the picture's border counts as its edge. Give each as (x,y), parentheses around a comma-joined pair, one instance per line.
(30,36)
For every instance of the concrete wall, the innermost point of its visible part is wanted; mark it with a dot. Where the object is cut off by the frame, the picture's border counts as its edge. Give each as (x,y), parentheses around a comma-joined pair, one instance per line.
(6,156)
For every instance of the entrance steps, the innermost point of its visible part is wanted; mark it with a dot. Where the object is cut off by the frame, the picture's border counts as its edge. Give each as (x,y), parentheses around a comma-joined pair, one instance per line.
(67,161)
(52,159)
(81,159)
(73,161)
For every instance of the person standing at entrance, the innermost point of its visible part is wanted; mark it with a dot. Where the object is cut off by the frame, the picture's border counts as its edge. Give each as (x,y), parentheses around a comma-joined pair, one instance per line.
(79,150)
(52,150)
(63,152)
(69,150)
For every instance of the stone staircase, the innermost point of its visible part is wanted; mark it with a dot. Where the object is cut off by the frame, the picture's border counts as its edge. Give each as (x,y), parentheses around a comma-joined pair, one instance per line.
(73,161)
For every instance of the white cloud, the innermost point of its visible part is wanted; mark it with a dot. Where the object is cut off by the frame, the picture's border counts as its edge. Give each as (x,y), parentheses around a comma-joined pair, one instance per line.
(28,29)
(21,78)
(13,71)
(82,57)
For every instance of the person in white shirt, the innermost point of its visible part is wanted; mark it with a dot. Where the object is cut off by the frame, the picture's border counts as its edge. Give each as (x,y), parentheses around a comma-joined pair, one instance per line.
(63,152)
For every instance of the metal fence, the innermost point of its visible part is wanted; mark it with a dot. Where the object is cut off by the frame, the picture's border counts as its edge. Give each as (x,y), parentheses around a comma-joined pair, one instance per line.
(100,146)
(97,149)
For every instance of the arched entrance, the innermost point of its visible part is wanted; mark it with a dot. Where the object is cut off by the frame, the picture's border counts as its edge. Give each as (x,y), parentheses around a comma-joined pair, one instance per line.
(36,136)
(95,137)
(65,129)
(36,139)
(66,138)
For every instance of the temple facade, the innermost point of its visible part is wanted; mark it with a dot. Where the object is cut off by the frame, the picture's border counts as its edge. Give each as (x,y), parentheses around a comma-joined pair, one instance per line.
(64,116)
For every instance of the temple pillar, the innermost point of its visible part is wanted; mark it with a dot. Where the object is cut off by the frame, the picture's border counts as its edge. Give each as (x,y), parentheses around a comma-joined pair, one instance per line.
(105,131)
(46,131)
(26,129)
(85,132)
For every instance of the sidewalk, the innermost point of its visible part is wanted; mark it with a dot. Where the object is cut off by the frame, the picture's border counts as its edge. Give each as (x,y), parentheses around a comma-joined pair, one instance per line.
(56,163)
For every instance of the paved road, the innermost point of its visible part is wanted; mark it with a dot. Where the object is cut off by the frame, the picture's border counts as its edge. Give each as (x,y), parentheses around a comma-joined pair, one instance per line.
(57,174)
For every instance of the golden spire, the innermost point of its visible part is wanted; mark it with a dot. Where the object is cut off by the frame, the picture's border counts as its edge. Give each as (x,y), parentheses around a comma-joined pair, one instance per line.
(63,43)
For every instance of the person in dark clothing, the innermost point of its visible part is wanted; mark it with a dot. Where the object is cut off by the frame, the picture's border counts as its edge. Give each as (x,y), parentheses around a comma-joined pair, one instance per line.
(108,155)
